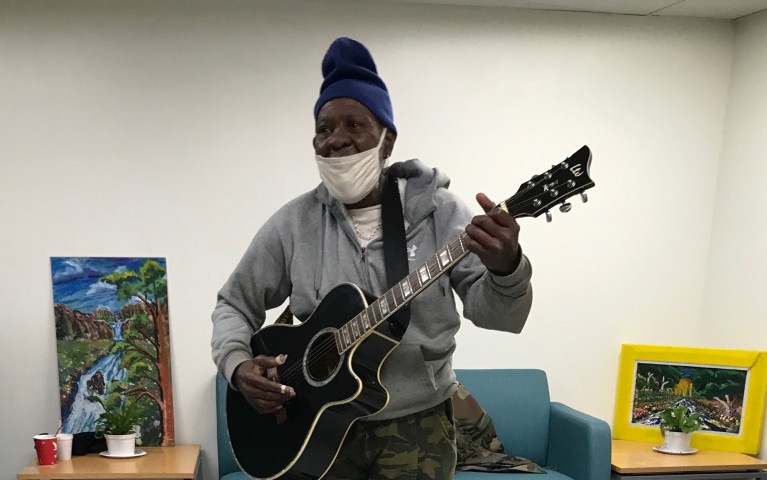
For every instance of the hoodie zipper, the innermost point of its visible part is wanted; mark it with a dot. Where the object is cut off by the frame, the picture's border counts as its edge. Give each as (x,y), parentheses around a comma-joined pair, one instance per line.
(365,270)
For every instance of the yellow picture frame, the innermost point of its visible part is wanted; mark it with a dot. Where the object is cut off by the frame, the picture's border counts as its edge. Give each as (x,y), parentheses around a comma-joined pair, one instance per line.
(649,375)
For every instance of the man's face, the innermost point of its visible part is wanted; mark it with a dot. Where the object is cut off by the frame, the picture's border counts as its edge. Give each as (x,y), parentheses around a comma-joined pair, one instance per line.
(345,127)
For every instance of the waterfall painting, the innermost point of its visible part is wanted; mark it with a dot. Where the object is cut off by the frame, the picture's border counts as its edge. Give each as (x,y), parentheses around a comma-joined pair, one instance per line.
(113,338)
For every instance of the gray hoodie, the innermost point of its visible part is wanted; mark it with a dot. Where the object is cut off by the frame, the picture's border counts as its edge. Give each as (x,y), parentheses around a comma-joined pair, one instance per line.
(308,247)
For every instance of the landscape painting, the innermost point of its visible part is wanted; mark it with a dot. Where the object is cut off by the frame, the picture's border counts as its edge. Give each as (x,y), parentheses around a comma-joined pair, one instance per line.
(727,387)
(113,337)
(716,393)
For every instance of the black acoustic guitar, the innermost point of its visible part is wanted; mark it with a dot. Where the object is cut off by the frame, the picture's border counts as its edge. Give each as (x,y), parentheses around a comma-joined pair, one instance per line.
(335,356)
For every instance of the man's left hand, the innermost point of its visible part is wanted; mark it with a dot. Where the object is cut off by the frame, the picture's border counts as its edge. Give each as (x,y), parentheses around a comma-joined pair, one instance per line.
(494,237)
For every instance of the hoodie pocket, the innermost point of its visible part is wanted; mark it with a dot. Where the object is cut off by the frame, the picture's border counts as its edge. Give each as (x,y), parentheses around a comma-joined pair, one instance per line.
(407,364)
(434,321)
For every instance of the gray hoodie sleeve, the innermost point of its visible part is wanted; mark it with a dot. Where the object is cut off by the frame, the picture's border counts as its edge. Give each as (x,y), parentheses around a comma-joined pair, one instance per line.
(489,301)
(259,282)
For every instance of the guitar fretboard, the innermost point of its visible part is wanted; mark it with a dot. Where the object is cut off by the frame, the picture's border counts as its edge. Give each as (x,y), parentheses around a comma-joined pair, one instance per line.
(400,295)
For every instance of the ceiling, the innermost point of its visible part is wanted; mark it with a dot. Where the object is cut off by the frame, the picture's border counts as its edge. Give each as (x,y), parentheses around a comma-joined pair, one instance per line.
(721,9)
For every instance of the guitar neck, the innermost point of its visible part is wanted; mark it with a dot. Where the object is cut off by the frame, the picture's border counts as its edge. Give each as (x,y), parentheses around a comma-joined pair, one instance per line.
(400,294)
(534,197)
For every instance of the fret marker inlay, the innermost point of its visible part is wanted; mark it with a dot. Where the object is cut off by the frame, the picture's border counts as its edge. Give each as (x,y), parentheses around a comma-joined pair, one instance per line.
(406,292)
(444,258)
(424,274)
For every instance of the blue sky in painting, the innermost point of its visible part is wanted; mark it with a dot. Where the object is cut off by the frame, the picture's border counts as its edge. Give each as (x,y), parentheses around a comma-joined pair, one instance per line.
(76,281)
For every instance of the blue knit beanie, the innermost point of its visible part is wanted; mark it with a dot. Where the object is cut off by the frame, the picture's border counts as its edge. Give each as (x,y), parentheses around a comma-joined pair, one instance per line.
(350,72)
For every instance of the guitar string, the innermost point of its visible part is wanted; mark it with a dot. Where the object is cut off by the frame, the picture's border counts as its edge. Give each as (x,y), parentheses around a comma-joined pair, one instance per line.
(325,347)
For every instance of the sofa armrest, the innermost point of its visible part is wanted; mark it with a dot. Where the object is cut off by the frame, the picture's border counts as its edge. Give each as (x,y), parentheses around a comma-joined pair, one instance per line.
(579,444)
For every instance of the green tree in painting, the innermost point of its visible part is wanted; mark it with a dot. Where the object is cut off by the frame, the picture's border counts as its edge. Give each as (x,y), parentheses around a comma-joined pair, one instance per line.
(721,382)
(146,338)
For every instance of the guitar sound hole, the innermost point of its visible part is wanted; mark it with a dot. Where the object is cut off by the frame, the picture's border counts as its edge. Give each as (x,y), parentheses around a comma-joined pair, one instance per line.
(322,360)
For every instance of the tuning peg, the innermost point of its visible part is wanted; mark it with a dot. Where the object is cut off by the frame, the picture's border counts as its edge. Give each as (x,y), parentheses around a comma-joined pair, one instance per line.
(565,207)
(548,217)
(584,197)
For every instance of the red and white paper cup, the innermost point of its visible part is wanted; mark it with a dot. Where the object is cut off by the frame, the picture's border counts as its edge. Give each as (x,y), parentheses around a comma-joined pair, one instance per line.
(46,449)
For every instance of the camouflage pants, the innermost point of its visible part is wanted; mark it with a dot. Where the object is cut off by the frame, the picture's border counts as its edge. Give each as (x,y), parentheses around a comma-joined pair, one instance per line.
(420,446)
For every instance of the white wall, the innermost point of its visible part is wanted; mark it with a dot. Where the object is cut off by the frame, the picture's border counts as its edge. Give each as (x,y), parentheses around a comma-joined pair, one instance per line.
(735,288)
(175,128)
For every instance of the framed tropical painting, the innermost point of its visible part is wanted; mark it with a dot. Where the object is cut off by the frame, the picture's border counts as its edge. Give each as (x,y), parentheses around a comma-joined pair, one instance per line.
(726,387)
(113,339)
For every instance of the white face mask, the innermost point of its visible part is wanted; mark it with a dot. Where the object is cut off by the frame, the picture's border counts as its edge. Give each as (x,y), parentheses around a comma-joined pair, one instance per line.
(349,179)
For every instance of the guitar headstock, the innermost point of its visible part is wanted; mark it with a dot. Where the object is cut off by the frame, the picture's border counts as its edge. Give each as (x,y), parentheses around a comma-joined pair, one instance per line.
(555,186)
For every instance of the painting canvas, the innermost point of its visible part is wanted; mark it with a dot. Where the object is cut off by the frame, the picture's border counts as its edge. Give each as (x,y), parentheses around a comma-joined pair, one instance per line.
(716,394)
(113,338)
(726,387)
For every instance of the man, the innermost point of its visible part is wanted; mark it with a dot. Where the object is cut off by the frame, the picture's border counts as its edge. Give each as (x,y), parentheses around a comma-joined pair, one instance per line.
(332,234)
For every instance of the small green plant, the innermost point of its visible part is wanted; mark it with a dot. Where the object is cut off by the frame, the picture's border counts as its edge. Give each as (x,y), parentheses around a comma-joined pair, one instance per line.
(677,420)
(120,415)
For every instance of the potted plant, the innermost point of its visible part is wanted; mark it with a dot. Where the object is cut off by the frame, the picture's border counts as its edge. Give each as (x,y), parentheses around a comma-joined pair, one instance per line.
(677,426)
(118,424)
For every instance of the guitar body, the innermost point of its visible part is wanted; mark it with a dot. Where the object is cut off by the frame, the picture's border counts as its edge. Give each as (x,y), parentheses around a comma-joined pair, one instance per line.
(331,392)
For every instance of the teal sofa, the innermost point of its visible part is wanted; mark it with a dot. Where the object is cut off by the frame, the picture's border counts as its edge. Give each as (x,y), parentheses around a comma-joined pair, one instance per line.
(568,443)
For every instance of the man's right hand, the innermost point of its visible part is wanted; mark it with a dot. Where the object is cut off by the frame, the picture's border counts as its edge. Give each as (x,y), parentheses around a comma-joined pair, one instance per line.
(258,381)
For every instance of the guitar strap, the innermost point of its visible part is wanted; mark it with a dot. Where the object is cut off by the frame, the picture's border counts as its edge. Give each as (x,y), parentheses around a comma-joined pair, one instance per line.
(395,247)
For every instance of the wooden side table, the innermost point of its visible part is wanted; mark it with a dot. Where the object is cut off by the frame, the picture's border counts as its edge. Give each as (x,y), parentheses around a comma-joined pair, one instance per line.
(638,461)
(181,461)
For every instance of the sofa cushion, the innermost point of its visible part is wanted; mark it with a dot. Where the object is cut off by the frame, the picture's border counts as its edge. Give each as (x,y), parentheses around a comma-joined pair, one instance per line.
(479,448)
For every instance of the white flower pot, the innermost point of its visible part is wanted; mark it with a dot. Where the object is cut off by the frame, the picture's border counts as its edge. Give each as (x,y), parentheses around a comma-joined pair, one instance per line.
(121,445)
(677,441)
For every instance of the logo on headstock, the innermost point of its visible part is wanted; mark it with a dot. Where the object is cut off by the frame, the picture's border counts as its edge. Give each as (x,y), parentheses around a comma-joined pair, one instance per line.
(577,170)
